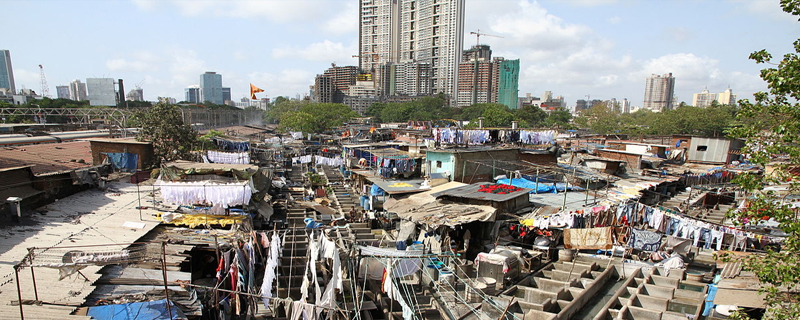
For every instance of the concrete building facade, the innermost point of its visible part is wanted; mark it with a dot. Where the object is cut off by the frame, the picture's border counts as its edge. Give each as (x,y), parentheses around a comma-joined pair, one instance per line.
(101,92)
(658,92)
(7,71)
(62,92)
(333,84)
(508,86)
(192,94)
(424,31)
(404,79)
(77,91)
(211,88)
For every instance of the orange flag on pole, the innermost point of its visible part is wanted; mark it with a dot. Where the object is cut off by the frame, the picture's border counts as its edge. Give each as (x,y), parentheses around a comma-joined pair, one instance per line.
(254,90)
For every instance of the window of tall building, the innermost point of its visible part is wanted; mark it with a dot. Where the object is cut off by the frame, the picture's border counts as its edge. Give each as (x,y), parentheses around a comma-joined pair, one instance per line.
(435,20)
(436,9)
(411,35)
(412,25)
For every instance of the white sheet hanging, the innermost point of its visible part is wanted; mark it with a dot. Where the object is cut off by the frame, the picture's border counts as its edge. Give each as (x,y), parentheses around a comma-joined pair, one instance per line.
(276,246)
(229,157)
(222,194)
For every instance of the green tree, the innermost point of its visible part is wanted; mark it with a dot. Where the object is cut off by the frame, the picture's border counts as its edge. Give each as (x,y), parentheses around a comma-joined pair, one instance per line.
(163,126)
(534,116)
(771,126)
(560,117)
(600,118)
(497,115)
(317,117)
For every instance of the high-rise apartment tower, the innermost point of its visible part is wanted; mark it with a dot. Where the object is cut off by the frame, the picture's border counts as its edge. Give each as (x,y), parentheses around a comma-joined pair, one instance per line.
(658,92)
(423,31)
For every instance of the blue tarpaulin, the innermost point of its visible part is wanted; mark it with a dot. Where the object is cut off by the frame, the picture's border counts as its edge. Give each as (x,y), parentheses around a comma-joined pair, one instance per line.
(123,161)
(136,311)
(376,191)
(525,183)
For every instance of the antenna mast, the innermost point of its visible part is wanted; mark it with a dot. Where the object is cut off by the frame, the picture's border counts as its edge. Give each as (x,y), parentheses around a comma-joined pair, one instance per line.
(45,88)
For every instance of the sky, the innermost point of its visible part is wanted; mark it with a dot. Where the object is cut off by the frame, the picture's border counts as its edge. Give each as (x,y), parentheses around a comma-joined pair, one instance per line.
(578,49)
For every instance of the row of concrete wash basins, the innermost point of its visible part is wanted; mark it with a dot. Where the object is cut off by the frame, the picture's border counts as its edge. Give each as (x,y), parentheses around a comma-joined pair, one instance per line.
(587,288)
(593,288)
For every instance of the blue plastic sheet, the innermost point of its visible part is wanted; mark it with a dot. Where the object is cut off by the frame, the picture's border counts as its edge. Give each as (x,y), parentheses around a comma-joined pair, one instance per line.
(137,311)
(525,183)
(123,161)
(376,191)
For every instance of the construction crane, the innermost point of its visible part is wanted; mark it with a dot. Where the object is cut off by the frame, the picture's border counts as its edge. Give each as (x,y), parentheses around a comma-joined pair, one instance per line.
(478,35)
(45,88)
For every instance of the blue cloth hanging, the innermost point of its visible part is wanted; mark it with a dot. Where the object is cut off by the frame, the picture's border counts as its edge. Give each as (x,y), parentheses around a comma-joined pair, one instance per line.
(127,162)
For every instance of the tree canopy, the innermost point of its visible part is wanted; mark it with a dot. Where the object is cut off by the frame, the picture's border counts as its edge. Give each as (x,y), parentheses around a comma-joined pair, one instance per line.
(312,117)
(771,126)
(711,121)
(163,126)
(422,109)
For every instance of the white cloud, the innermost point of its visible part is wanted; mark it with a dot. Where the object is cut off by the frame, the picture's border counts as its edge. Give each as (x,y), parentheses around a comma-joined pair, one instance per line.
(684,66)
(344,22)
(768,9)
(24,79)
(590,3)
(614,20)
(325,51)
(274,10)
(543,35)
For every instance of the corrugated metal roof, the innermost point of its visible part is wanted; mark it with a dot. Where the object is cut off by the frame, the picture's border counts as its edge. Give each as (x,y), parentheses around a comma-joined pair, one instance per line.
(471,192)
(48,157)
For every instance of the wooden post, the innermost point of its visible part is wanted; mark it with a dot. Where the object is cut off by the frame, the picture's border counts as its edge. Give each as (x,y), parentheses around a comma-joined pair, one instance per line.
(164,273)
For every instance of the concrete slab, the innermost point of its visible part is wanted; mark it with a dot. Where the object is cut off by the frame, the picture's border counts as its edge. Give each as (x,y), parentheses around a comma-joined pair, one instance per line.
(87,218)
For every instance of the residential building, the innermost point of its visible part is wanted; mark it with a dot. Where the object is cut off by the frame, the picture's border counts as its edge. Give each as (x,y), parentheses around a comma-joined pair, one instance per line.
(424,31)
(404,79)
(658,92)
(322,90)
(547,102)
(625,105)
(332,85)
(508,87)
(726,97)
(581,105)
(192,94)
(478,78)
(135,95)
(703,99)
(211,88)
(77,91)
(6,71)
(101,92)
(62,92)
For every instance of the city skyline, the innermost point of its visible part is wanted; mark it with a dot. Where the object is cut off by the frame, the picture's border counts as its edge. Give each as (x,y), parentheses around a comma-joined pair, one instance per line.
(577,48)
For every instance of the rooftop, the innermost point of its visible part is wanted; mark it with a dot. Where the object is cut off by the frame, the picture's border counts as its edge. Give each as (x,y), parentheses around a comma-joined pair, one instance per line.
(49,157)
(123,140)
(471,192)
